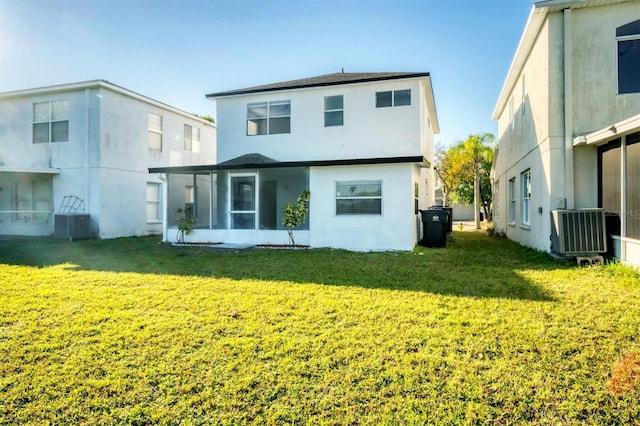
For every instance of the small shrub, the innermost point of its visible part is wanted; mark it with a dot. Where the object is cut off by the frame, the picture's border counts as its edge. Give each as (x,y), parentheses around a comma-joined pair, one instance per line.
(295,214)
(185,221)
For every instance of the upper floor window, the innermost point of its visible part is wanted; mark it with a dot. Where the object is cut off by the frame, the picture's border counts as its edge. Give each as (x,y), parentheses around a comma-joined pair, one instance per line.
(268,118)
(191,138)
(628,38)
(333,111)
(51,121)
(360,197)
(393,98)
(155,131)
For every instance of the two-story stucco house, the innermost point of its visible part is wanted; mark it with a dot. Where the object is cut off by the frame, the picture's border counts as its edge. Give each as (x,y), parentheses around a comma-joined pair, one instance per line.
(569,123)
(85,148)
(361,143)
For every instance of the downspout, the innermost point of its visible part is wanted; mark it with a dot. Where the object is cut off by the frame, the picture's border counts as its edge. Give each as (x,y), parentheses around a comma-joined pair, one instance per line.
(568,111)
(165,206)
(87,121)
(623,198)
(210,200)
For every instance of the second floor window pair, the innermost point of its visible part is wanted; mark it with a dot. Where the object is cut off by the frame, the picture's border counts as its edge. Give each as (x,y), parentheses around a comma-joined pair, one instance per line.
(270,118)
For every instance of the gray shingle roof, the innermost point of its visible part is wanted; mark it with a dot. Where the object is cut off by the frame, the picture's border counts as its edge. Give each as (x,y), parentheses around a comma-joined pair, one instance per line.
(322,80)
(253,159)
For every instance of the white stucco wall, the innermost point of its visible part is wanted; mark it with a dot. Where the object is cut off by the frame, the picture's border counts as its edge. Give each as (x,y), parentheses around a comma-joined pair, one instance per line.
(125,158)
(595,73)
(368,132)
(538,139)
(529,135)
(394,229)
(105,160)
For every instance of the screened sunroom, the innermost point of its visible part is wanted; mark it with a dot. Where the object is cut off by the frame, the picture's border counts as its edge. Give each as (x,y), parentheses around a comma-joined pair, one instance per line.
(239,201)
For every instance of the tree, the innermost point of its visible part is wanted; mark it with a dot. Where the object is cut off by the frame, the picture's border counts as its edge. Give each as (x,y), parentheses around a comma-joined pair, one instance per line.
(465,169)
(206,117)
(446,170)
(295,214)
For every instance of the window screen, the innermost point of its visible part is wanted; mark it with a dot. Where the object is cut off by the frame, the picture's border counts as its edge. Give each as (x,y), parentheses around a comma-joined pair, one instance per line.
(633,187)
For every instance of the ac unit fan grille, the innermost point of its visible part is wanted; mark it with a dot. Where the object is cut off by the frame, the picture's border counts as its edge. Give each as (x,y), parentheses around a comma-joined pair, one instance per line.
(579,231)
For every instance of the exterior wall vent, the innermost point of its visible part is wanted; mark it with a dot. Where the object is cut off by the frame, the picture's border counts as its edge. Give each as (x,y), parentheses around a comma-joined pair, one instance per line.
(578,232)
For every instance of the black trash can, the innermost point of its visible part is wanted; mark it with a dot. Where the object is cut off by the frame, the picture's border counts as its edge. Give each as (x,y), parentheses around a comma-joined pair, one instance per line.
(449,219)
(435,225)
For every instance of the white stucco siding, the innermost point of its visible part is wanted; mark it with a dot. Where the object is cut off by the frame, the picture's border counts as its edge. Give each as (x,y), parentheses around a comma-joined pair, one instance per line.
(106,158)
(367,131)
(122,204)
(394,229)
(16,131)
(125,135)
(596,102)
(527,142)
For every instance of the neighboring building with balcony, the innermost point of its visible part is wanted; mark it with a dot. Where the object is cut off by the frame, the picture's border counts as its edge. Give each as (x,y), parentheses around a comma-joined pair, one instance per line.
(86,148)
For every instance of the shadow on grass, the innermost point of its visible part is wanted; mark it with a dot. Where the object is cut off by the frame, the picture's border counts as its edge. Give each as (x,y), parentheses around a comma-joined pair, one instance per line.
(472,265)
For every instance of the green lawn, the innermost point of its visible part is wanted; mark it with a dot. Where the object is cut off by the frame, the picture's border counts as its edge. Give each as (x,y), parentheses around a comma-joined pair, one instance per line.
(130,331)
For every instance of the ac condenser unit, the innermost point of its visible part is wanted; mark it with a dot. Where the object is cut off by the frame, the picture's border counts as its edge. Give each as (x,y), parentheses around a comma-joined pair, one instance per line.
(578,232)
(71,226)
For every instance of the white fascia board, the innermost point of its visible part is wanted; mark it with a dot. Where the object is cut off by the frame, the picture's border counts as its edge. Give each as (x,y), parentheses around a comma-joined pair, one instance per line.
(431,105)
(620,128)
(531,30)
(100,84)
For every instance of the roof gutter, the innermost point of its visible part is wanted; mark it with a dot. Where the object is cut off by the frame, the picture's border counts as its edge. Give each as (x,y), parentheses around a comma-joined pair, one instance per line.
(101,84)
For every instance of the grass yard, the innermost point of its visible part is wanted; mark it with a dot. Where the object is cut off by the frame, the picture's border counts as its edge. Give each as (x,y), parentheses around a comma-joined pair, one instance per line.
(131,331)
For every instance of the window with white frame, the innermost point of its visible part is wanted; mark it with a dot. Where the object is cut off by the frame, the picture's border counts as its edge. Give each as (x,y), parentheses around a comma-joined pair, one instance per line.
(268,118)
(154,213)
(51,121)
(525,191)
(359,197)
(393,98)
(333,111)
(155,132)
(191,138)
(512,200)
(628,40)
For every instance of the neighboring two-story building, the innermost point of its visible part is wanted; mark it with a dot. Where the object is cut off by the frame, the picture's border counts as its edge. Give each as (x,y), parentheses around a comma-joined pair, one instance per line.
(569,123)
(85,148)
(361,143)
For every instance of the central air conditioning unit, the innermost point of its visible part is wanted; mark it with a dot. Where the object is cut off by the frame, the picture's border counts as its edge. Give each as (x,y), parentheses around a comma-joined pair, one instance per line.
(578,232)
(71,226)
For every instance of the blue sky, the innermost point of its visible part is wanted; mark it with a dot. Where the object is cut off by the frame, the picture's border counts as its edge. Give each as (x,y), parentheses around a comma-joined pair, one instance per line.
(176,51)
